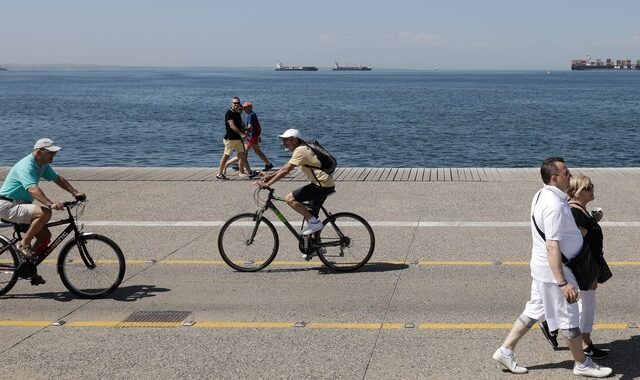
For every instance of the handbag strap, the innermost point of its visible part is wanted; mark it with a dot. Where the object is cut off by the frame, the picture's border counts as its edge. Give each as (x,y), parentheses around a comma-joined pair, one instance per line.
(564,258)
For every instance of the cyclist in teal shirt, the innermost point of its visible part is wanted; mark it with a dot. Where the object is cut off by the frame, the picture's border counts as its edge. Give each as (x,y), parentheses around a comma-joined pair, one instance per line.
(20,188)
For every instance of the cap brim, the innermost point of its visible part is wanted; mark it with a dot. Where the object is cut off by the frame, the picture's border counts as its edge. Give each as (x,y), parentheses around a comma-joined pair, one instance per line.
(52,148)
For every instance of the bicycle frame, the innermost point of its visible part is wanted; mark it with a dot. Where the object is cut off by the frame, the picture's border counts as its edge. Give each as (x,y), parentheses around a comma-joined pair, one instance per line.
(301,239)
(72,227)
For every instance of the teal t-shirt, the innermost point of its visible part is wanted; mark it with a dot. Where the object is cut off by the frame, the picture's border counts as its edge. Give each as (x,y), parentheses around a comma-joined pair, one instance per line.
(24,174)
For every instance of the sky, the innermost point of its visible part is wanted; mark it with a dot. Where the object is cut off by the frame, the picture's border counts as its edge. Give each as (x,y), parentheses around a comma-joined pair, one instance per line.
(394,34)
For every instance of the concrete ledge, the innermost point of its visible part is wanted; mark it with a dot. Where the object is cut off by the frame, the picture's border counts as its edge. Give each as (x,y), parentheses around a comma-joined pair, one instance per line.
(341,174)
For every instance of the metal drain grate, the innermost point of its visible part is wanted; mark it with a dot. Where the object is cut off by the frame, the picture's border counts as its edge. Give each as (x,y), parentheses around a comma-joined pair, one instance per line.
(154,319)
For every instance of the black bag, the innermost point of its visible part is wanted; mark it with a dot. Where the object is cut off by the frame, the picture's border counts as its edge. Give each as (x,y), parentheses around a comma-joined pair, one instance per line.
(584,267)
(605,271)
(328,163)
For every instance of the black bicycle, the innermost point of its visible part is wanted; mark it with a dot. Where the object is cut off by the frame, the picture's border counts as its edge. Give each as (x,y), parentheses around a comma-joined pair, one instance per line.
(89,265)
(249,242)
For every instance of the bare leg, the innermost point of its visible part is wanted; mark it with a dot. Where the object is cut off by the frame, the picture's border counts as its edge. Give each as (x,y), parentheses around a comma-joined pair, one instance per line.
(40,218)
(261,154)
(298,207)
(517,332)
(223,164)
(575,345)
(231,161)
(244,164)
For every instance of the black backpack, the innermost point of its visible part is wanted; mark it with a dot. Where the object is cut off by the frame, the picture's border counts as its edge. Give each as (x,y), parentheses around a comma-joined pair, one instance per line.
(328,163)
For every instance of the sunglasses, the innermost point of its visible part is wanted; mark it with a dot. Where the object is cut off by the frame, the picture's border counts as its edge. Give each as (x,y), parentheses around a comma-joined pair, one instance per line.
(236,102)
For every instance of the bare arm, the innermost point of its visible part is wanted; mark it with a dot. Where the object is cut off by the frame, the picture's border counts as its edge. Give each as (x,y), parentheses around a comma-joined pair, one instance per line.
(235,128)
(270,180)
(37,193)
(555,262)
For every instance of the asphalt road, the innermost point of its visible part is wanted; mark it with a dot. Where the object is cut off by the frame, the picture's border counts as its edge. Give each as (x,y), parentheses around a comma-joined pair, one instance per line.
(448,278)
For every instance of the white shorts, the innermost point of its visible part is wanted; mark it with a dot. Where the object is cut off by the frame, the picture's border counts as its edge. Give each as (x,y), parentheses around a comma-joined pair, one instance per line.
(548,303)
(17,212)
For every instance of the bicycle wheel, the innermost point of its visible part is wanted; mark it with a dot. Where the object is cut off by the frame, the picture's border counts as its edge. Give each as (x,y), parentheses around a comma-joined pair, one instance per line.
(8,268)
(91,266)
(348,240)
(240,251)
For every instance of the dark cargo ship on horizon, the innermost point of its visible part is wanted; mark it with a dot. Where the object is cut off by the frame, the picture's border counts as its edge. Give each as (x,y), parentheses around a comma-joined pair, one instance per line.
(280,67)
(607,64)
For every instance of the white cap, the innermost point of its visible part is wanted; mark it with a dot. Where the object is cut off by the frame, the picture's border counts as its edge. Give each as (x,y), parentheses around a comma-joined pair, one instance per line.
(47,144)
(291,133)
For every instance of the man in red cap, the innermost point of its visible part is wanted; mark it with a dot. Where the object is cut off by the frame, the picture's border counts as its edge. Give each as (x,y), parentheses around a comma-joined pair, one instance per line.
(252,138)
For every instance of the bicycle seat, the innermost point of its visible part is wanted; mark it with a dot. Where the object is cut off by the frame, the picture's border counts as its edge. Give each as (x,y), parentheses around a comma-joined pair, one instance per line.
(19,226)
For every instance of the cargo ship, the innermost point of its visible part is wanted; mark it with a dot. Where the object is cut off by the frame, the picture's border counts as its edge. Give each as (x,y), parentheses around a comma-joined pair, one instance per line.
(280,67)
(607,64)
(337,67)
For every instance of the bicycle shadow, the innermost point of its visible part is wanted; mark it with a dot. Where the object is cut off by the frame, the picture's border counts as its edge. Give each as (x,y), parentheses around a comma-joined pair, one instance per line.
(623,356)
(124,294)
(372,267)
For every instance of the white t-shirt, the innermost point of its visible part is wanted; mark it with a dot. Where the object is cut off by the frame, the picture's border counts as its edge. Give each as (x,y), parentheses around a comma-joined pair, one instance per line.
(553,216)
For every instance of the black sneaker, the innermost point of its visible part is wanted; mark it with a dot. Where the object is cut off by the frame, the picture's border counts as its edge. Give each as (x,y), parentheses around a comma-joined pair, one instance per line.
(235,167)
(594,352)
(267,167)
(254,174)
(37,280)
(221,176)
(552,336)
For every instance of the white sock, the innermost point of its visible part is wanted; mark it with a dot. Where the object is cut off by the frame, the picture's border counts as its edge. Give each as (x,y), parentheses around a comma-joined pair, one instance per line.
(585,364)
(314,220)
(506,352)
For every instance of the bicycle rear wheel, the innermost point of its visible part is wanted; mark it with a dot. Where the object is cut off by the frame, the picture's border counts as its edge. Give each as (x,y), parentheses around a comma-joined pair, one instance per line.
(247,244)
(8,268)
(91,266)
(348,240)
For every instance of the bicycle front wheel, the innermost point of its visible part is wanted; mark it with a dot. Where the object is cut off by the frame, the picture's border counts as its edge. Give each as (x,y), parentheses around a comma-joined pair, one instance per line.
(346,242)
(91,266)
(8,268)
(247,244)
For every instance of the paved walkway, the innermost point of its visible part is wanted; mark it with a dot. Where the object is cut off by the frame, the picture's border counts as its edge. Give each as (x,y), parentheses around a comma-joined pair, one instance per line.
(448,277)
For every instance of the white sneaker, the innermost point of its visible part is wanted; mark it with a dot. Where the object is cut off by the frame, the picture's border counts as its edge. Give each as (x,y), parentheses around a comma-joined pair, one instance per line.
(25,251)
(311,228)
(591,369)
(310,256)
(509,362)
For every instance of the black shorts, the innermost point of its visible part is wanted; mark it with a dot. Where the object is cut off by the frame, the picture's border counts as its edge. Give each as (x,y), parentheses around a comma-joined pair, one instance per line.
(314,194)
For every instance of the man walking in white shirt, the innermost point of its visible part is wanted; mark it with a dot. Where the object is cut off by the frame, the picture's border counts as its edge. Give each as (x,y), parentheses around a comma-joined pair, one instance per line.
(554,290)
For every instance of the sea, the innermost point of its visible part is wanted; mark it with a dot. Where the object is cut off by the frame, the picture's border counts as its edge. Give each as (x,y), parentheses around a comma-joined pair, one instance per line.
(381,118)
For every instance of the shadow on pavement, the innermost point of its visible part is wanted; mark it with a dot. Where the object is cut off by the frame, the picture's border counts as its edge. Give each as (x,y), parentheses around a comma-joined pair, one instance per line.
(623,356)
(369,268)
(123,293)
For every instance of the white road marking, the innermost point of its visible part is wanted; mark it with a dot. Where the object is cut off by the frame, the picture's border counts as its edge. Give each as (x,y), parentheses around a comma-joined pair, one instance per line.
(424,224)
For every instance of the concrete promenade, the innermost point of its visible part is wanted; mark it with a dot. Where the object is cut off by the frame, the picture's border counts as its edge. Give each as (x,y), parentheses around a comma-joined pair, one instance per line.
(448,278)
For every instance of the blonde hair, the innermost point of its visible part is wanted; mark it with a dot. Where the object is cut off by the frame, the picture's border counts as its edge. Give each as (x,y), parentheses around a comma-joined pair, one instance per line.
(577,184)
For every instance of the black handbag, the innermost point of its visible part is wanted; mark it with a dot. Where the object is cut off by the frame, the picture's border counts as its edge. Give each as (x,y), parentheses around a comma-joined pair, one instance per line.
(605,271)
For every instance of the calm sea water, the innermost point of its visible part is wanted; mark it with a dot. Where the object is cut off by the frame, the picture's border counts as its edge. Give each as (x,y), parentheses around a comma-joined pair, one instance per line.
(373,119)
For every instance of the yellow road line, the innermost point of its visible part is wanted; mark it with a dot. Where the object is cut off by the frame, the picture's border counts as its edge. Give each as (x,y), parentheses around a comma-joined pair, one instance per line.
(316,263)
(245,325)
(290,325)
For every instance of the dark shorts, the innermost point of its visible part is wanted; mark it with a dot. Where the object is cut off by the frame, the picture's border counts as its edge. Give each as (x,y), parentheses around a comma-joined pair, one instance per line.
(314,194)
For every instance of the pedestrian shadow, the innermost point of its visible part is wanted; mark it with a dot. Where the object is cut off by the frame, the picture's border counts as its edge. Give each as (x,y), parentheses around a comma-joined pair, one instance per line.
(623,357)
(123,293)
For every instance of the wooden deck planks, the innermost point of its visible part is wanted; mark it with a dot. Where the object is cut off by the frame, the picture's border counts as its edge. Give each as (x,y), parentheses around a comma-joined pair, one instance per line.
(342,174)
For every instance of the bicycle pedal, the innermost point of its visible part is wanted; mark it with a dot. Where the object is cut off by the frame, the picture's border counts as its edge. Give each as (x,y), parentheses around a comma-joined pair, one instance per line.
(38,280)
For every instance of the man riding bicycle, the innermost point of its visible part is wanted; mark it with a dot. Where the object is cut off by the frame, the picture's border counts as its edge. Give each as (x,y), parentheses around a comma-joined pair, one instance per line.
(20,188)
(316,192)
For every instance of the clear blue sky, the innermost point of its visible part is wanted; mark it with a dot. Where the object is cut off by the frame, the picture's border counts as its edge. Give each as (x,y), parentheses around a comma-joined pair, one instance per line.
(412,34)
